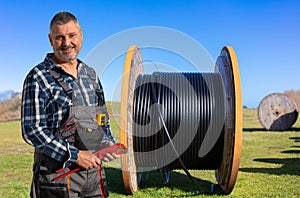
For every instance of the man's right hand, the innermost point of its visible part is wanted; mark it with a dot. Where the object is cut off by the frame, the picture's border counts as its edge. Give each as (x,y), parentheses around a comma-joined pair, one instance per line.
(87,160)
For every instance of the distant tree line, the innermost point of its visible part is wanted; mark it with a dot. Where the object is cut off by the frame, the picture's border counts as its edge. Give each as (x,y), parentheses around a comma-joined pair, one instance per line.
(10,109)
(295,95)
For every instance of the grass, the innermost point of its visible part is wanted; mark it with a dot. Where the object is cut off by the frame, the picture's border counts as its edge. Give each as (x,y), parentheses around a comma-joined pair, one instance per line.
(15,161)
(270,166)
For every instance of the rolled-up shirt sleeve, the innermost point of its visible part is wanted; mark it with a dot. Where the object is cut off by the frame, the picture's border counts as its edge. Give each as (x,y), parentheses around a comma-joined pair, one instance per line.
(35,130)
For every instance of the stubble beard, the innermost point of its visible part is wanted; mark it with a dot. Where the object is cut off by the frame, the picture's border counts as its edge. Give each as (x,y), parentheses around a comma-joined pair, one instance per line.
(65,57)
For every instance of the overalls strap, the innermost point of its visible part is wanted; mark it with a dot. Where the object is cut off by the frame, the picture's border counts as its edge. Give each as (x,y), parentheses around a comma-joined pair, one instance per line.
(99,89)
(59,79)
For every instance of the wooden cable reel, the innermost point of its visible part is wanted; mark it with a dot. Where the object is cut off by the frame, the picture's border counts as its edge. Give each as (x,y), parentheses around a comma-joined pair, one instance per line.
(277,112)
(226,70)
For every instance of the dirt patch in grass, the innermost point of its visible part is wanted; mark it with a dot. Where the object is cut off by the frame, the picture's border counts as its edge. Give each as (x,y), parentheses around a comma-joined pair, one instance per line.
(15,149)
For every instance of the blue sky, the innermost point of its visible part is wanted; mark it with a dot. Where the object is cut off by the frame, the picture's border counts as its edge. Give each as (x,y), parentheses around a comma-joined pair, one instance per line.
(265,35)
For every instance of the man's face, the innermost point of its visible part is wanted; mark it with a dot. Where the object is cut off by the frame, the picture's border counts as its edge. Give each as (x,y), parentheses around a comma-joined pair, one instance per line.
(66,41)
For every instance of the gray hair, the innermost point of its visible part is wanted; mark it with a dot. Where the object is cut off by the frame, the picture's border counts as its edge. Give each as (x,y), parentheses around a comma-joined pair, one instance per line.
(62,18)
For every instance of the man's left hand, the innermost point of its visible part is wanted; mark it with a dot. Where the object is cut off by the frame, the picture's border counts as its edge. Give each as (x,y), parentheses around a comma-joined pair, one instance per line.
(110,156)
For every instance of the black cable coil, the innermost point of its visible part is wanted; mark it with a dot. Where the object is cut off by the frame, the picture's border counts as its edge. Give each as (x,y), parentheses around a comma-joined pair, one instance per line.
(186,102)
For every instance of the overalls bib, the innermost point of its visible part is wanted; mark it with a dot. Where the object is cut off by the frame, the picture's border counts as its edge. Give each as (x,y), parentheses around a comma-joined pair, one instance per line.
(83,129)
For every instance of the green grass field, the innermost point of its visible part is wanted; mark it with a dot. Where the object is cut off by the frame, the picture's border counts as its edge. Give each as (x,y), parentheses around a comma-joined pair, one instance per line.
(270,166)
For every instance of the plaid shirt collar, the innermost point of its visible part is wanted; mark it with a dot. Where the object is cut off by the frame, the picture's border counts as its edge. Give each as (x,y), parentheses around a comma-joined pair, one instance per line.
(49,63)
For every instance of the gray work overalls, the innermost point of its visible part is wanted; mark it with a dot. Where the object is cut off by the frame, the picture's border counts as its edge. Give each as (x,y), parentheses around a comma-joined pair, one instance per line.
(82,130)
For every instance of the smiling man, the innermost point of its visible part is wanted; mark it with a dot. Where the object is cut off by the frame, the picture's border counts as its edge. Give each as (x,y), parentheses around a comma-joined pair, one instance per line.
(62,97)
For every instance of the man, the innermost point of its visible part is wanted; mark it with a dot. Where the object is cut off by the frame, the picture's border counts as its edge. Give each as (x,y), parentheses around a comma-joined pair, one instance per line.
(61,99)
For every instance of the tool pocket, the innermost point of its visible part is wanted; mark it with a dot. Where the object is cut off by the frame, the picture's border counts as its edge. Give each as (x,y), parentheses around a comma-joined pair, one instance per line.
(89,133)
(88,138)
(50,188)
(54,191)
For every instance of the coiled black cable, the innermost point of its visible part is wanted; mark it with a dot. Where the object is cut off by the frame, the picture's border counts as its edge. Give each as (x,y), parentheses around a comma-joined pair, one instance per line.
(186,103)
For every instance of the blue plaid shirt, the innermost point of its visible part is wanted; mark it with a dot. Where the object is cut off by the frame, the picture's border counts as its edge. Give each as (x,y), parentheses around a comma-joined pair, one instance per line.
(45,104)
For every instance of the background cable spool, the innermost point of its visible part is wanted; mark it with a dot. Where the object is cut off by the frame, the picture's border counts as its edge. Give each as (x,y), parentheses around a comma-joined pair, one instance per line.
(277,112)
(227,69)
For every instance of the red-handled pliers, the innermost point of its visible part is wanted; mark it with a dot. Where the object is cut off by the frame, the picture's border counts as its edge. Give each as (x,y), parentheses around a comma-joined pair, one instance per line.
(116,148)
